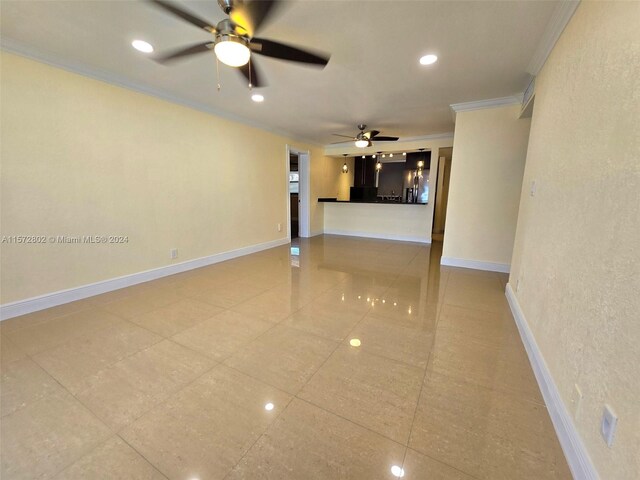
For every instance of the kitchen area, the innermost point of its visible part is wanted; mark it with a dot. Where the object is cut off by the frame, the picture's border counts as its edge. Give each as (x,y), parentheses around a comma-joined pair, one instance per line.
(392,195)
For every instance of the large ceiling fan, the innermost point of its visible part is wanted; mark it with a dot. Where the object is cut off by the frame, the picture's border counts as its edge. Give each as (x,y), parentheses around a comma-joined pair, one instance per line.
(233,38)
(365,139)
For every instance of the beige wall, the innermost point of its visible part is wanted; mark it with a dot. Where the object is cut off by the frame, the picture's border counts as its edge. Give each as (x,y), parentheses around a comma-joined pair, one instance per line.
(442,187)
(81,157)
(489,150)
(343,181)
(577,252)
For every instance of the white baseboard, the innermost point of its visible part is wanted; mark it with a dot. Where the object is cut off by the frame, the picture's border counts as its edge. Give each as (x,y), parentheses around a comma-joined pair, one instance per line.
(475,264)
(380,236)
(29,305)
(574,450)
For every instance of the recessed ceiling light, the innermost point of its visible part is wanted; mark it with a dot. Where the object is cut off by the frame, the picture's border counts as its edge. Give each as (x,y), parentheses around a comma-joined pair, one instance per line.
(269,406)
(142,46)
(396,471)
(256,97)
(428,59)
(355,342)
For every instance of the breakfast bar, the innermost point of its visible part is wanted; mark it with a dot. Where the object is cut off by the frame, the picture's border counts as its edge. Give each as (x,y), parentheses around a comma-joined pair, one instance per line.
(385,220)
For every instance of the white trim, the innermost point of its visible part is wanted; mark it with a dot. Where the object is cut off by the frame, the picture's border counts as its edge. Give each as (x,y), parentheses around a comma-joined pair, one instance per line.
(556,25)
(488,103)
(288,196)
(12,46)
(304,192)
(380,236)
(304,209)
(22,307)
(574,450)
(475,264)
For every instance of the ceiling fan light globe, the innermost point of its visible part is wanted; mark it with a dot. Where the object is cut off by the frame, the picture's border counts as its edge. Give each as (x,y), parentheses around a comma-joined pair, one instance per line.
(232,51)
(362,143)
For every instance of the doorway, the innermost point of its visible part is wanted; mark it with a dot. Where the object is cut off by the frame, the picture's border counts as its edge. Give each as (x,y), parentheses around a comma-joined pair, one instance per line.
(294,195)
(297,166)
(442,193)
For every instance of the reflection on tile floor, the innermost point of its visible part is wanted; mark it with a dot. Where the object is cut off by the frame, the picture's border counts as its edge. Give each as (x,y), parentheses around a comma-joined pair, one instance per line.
(247,370)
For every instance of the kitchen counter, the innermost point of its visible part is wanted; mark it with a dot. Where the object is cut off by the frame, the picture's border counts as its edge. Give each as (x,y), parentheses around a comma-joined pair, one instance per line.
(381,202)
(387,220)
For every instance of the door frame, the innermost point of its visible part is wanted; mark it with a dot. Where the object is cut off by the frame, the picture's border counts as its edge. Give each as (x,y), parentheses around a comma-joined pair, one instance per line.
(304,195)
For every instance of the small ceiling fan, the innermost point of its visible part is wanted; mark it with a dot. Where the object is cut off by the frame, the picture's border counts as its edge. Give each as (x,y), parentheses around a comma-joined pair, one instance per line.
(233,38)
(365,139)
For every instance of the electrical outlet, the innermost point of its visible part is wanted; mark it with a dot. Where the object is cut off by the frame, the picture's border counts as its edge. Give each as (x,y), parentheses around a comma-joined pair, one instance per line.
(608,425)
(279,227)
(576,400)
(173,253)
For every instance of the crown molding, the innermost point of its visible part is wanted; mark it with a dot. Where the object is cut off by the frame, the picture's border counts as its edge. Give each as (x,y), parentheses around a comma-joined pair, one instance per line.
(11,46)
(488,103)
(557,23)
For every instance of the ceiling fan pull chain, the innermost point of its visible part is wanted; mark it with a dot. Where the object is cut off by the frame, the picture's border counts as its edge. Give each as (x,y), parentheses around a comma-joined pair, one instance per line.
(218,74)
(250,77)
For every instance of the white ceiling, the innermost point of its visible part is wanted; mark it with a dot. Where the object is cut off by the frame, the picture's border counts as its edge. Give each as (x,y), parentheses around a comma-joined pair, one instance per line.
(373,76)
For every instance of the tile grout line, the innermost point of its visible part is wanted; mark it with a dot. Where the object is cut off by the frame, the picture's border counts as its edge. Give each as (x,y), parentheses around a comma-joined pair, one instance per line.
(91,412)
(322,408)
(429,360)
(155,467)
(261,435)
(415,411)
(292,397)
(159,400)
(339,344)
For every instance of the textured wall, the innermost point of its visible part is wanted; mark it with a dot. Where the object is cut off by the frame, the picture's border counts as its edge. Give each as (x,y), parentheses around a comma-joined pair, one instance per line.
(489,150)
(81,157)
(577,250)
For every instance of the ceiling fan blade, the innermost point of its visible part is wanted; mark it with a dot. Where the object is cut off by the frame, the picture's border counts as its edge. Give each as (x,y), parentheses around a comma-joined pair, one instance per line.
(183,14)
(345,136)
(385,139)
(251,15)
(255,78)
(371,134)
(279,50)
(336,143)
(184,52)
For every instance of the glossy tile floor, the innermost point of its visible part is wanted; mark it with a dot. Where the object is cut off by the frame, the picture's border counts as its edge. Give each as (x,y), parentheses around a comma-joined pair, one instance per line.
(248,370)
